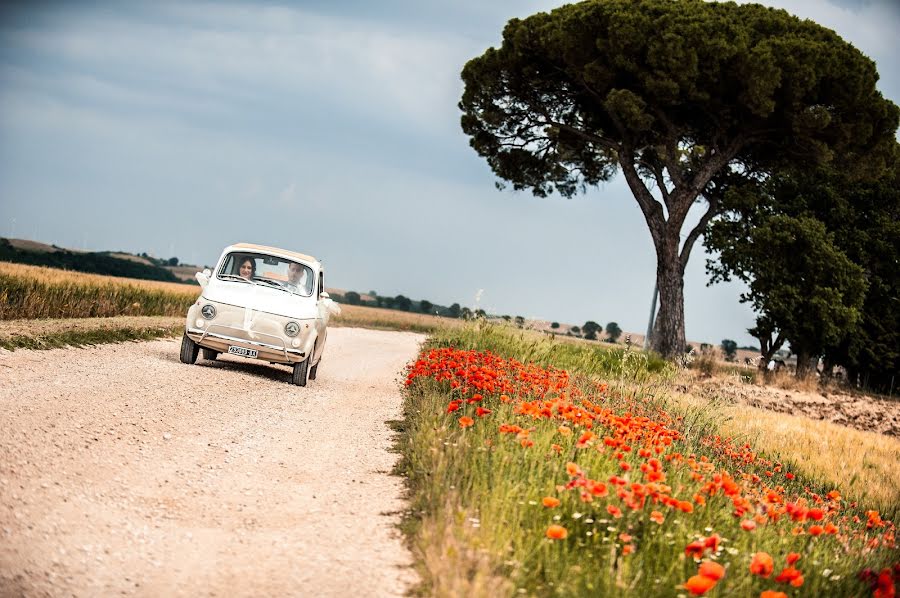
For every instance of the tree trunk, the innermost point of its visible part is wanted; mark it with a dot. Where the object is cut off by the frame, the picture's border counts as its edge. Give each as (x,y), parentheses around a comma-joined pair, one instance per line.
(668,332)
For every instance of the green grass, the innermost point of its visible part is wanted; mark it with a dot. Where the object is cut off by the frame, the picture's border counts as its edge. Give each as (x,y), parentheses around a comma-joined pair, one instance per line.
(476,524)
(77,338)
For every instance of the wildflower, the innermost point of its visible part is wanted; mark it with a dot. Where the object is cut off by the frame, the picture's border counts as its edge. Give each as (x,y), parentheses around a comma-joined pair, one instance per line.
(556,448)
(699,585)
(564,430)
(816,530)
(614,511)
(712,542)
(550,502)
(625,537)
(452,406)
(694,549)
(557,532)
(790,575)
(572,469)
(772,594)
(885,585)
(712,570)
(762,564)
(791,558)
(627,549)
(657,517)
(585,439)
(466,421)
(526,442)
(481,411)
(748,525)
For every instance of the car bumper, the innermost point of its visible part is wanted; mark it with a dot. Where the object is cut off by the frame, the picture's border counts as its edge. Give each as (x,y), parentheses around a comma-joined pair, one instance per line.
(219,338)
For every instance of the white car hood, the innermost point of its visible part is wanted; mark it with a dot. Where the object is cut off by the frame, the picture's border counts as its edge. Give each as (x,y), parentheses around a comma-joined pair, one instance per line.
(260,298)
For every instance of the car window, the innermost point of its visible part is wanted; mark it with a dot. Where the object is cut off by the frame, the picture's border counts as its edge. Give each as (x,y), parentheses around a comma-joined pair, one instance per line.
(270,270)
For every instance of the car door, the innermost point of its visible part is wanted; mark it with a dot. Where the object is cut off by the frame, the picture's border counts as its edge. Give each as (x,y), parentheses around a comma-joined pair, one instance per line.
(321,319)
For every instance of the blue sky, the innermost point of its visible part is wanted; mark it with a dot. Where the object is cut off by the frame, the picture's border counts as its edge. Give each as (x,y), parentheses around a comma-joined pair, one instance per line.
(330,128)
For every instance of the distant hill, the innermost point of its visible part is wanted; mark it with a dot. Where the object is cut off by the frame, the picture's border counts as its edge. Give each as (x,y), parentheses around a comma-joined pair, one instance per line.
(109,263)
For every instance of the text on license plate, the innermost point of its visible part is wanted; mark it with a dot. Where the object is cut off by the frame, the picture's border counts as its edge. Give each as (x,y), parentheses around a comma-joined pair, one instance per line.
(242,351)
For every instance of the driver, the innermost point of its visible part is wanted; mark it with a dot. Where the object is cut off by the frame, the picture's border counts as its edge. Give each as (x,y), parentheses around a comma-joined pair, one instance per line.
(296,276)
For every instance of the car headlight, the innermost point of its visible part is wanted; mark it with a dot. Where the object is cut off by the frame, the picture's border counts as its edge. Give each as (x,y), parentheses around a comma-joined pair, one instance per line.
(208,311)
(291,328)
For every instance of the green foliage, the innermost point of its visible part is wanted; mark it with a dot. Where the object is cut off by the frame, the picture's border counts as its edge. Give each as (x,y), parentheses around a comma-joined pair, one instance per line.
(613,330)
(821,248)
(425,306)
(682,96)
(729,348)
(454,311)
(554,325)
(402,303)
(520,321)
(591,327)
(352,298)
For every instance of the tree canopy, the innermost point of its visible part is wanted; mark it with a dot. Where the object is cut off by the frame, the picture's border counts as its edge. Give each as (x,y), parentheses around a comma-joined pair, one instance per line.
(683,97)
(820,252)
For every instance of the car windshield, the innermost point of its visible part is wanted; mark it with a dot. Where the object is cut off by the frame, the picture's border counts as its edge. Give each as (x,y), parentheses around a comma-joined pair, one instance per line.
(276,272)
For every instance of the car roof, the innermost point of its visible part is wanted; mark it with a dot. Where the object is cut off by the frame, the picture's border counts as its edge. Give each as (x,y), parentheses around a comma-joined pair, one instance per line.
(286,253)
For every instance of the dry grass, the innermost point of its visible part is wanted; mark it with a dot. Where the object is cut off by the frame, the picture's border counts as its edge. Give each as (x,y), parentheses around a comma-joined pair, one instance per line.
(390,319)
(56,276)
(28,292)
(452,563)
(858,464)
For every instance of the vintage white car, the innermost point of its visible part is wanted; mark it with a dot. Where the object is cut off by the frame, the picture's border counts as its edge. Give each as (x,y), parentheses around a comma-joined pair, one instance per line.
(262,303)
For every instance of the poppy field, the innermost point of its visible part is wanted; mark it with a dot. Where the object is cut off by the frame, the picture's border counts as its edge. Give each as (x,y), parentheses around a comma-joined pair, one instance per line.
(552,471)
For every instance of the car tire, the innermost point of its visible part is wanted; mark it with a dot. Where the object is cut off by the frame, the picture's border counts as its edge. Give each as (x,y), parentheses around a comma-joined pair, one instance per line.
(313,370)
(300,373)
(189,350)
(210,354)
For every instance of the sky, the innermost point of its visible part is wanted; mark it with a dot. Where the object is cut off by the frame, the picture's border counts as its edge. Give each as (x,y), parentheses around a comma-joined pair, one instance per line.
(329,128)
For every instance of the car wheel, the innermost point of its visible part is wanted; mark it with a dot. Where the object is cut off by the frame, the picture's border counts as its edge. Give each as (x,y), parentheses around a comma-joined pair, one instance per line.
(189,350)
(313,370)
(300,373)
(210,354)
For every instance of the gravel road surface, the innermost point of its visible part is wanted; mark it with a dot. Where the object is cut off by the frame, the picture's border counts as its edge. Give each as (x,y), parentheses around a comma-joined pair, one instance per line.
(124,471)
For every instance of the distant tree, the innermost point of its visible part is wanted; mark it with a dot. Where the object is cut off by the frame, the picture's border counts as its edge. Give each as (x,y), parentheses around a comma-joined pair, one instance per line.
(520,321)
(688,348)
(676,95)
(352,298)
(454,311)
(388,302)
(705,347)
(425,306)
(729,348)
(172,261)
(373,293)
(591,329)
(379,301)
(402,303)
(613,330)
(576,330)
(554,325)
(480,313)
(466,313)
(507,318)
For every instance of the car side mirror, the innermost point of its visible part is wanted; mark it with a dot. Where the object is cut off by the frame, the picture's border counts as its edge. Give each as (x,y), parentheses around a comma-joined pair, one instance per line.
(203,277)
(324,295)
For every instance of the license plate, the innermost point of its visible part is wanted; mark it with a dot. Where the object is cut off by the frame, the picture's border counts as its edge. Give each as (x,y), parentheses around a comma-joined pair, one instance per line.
(243,352)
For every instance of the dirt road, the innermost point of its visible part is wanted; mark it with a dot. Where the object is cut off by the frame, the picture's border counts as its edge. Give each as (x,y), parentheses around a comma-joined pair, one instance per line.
(124,471)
